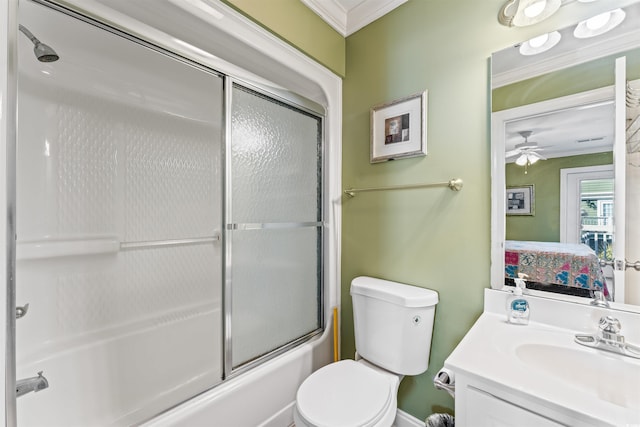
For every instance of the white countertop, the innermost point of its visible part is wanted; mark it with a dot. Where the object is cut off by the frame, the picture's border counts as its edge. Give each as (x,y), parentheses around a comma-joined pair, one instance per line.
(542,363)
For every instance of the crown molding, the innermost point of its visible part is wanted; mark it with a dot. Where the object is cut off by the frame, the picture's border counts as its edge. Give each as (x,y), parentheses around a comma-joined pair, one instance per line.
(347,22)
(331,12)
(368,11)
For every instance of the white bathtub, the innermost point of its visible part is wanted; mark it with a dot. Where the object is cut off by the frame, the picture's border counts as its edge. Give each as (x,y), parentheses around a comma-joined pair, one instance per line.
(264,396)
(124,377)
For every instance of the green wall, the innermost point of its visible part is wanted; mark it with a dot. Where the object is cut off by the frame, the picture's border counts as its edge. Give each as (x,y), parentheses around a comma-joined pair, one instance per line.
(590,75)
(433,238)
(293,22)
(544,226)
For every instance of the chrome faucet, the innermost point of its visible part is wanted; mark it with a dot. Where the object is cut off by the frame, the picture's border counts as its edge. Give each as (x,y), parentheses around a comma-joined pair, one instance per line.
(34,384)
(609,338)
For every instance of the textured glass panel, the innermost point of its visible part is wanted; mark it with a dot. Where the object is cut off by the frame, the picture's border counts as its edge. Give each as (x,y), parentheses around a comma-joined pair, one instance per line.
(275,289)
(275,163)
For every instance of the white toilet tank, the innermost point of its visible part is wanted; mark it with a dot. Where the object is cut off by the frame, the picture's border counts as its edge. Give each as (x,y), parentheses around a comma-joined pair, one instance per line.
(393,324)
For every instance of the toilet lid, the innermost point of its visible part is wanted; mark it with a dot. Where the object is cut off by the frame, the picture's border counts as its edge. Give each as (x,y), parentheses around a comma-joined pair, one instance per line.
(344,393)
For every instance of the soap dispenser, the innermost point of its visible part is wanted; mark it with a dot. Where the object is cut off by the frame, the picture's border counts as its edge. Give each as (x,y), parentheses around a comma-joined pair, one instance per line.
(517,306)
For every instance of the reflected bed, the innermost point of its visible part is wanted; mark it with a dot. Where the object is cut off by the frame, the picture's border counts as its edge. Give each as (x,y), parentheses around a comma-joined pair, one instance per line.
(567,268)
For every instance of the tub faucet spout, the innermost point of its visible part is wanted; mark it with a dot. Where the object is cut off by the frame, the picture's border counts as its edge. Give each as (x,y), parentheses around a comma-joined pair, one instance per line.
(34,384)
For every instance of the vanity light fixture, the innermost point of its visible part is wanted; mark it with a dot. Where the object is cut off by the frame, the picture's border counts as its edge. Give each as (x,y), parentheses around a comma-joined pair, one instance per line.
(540,43)
(599,24)
(520,13)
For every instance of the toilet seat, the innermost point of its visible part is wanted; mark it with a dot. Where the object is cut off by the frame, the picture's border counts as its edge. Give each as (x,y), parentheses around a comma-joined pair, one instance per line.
(346,393)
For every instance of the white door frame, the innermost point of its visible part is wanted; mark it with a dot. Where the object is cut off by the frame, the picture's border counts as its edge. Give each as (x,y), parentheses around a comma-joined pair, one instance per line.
(499,121)
(570,179)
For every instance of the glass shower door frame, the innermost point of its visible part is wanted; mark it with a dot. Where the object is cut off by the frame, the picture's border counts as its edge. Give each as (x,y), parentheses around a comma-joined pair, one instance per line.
(321,225)
(297,103)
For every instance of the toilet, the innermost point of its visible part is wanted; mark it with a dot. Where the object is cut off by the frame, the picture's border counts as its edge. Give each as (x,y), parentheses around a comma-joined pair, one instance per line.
(393,325)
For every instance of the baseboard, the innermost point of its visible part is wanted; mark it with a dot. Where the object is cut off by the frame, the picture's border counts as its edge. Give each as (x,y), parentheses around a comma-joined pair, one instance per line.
(404,419)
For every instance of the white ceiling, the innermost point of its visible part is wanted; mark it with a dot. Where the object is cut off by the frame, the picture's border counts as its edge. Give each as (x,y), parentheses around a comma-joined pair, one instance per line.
(348,16)
(570,132)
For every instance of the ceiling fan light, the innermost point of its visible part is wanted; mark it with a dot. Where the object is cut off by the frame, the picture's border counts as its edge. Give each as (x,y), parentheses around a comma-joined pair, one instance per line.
(532,159)
(599,24)
(522,160)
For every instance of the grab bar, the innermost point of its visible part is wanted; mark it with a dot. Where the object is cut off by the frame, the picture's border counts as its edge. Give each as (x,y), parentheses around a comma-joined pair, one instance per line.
(54,248)
(168,243)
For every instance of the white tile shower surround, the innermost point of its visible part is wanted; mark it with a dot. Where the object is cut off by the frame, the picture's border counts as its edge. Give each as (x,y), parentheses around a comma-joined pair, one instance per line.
(115,158)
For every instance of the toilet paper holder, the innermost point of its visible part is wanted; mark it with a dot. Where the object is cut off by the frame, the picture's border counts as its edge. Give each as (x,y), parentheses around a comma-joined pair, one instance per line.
(445,380)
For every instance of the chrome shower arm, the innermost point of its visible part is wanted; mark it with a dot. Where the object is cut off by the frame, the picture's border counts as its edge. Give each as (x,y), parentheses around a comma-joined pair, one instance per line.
(28,33)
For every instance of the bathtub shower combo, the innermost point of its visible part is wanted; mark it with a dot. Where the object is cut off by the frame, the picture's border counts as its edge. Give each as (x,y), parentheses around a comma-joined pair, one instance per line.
(171,231)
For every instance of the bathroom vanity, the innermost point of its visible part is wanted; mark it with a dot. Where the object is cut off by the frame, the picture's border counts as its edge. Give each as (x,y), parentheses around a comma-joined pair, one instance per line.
(538,375)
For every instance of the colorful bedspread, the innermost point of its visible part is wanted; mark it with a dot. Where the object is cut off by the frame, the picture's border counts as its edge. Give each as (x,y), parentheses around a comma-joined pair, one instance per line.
(568,264)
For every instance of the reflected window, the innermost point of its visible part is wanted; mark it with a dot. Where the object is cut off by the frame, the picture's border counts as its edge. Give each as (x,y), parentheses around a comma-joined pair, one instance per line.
(596,211)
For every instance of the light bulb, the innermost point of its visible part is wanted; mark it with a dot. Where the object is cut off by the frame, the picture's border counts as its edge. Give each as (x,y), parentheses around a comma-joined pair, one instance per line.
(536,42)
(598,21)
(540,44)
(522,160)
(532,159)
(529,12)
(599,24)
(535,9)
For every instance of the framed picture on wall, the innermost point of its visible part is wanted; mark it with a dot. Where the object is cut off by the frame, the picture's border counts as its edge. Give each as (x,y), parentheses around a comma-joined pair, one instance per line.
(399,129)
(520,200)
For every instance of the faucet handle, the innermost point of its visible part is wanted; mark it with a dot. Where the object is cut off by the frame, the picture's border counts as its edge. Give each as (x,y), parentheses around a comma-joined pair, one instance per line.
(610,324)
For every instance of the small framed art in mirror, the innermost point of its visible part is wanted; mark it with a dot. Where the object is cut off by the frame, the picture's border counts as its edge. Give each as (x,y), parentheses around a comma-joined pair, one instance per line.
(520,200)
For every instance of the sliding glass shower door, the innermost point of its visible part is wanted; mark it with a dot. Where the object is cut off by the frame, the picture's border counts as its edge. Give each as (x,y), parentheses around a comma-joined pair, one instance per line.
(274,225)
(169,224)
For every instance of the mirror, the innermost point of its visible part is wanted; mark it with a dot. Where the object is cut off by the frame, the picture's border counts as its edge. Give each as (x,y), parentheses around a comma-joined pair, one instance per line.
(553,165)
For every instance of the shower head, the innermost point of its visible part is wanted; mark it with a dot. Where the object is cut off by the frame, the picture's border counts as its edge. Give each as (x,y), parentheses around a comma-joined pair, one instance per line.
(43,52)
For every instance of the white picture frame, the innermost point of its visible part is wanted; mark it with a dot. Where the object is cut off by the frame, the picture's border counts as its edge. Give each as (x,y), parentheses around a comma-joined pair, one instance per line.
(399,129)
(520,200)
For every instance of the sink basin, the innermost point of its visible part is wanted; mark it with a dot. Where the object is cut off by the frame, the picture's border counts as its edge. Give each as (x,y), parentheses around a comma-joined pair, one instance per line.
(543,370)
(610,377)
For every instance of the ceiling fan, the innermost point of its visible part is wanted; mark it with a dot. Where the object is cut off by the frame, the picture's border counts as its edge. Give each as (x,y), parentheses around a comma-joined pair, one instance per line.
(528,152)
